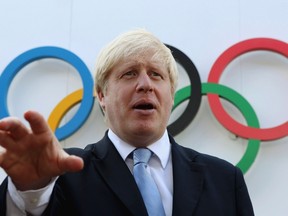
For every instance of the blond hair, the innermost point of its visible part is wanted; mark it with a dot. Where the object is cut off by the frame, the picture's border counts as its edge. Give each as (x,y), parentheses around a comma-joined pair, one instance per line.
(130,44)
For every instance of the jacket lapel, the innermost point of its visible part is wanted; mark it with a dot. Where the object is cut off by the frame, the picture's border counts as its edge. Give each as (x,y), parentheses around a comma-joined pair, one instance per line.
(3,191)
(188,180)
(119,177)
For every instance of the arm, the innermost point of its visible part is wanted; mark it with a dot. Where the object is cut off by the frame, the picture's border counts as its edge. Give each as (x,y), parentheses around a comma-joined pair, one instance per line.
(32,201)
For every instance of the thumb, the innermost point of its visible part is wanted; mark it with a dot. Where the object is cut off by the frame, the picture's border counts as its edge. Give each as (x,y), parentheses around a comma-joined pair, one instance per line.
(71,163)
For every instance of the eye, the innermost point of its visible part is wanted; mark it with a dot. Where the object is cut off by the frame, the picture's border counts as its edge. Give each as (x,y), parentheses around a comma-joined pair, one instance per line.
(129,74)
(156,75)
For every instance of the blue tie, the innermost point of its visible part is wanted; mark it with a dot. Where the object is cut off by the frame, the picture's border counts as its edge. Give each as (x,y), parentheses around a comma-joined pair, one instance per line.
(146,184)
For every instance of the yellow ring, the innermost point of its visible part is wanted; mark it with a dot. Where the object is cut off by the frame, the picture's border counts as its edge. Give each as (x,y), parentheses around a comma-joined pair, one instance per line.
(63,107)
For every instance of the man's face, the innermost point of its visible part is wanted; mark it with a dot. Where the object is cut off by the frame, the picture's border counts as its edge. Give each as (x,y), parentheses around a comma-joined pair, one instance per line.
(138,99)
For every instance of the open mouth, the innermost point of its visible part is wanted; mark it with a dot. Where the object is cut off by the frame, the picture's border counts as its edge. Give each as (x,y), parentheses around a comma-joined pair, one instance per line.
(144,106)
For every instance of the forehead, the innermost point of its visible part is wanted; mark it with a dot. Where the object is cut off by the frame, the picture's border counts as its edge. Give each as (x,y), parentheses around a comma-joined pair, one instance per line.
(145,58)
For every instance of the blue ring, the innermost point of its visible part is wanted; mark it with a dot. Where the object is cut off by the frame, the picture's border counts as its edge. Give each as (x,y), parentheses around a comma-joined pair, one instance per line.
(58,53)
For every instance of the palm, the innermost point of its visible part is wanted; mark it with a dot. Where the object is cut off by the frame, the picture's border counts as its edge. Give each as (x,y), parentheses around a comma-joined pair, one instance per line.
(33,157)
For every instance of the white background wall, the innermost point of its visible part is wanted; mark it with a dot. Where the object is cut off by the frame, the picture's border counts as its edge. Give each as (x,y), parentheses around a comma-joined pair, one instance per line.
(200,29)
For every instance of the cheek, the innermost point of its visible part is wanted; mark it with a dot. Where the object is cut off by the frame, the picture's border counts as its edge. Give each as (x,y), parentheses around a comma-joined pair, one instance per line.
(170,104)
(169,97)
(116,100)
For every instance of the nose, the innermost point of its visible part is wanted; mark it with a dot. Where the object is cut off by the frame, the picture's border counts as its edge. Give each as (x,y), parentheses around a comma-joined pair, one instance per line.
(144,83)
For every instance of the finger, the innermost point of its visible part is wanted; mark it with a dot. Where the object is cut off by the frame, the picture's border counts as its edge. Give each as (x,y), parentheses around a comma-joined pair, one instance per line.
(37,122)
(14,127)
(71,163)
(7,141)
(74,163)
(2,152)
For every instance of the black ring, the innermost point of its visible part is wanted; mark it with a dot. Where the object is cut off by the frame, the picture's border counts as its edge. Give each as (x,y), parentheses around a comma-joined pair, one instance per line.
(195,96)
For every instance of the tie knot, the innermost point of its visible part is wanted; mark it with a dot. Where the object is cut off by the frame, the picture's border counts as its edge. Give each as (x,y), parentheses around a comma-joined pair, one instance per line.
(141,155)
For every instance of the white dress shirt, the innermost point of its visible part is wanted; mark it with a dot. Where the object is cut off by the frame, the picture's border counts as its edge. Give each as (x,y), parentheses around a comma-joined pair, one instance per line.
(35,201)
(160,165)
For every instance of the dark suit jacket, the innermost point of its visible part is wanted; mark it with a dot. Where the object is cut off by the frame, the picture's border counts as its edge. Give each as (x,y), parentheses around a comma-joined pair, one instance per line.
(203,186)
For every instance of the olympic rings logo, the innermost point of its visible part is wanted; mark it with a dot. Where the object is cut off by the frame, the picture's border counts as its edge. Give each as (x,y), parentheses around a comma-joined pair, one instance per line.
(194,92)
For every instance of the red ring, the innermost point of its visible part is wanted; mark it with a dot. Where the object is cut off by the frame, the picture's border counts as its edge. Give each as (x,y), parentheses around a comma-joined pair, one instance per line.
(220,64)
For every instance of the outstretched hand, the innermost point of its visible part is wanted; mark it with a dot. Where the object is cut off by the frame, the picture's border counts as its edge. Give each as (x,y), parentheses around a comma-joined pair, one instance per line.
(32,156)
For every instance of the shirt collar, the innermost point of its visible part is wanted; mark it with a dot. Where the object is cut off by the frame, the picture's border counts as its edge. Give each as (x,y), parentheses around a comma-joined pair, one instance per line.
(161,148)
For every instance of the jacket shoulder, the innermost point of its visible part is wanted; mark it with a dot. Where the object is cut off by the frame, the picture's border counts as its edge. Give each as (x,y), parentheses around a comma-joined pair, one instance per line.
(205,160)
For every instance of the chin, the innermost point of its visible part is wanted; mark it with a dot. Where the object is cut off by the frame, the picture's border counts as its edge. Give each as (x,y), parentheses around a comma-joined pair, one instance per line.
(144,130)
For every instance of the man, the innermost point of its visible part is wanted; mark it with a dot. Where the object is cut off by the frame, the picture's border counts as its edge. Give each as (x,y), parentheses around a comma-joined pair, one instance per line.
(136,78)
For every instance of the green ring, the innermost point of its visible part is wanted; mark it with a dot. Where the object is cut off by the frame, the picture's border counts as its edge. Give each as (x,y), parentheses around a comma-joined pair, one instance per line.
(241,103)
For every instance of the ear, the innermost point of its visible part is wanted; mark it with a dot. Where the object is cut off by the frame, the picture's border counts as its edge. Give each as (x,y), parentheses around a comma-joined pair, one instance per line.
(101,99)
